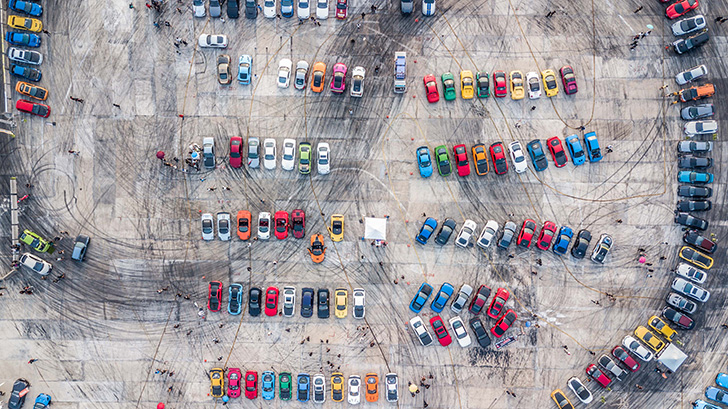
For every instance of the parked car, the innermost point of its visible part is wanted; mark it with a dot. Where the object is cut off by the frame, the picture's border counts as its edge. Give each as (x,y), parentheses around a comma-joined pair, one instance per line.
(694,191)
(583,238)
(694,238)
(662,328)
(324,158)
(602,248)
(338,78)
(198,8)
(264,222)
(557,151)
(499,84)
(420,331)
(448,86)
(581,391)
(716,394)
(488,234)
(304,10)
(303,385)
(546,236)
(443,160)
(341,7)
(358,311)
(498,303)
(684,45)
(25,56)
(549,83)
(479,300)
(482,81)
(623,356)
(36,264)
(271,301)
(649,339)
(442,297)
(289,301)
(461,335)
(214,296)
(255,296)
(392,387)
(424,161)
(612,368)
(235,299)
(533,84)
(30,74)
(318,76)
(691,74)
(29,8)
(701,404)
(535,151)
(702,127)
(80,245)
(636,348)
(575,149)
(322,9)
(420,299)
(694,205)
(337,387)
(268,385)
(688,25)
(438,327)
(223,226)
(323,303)
(591,145)
(694,146)
(689,289)
(461,299)
(528,229)
(563,239)
(691,273)
(428,7)
(687,219)
(319,388)
(679,319)
(694,162)
(696,92)
(357,80)
(595,373)
(461,160)
(25,23)
(681,303)
(26,39)
(699,111)
(498,157)
(679,8)
(517,89)
(517,156)
(466,232)
(354,396)
(481,335)
(208,227)
(284,385)
(341,302)
(281,225)
(213,41)
(307,295)
(466,84)
(446,230)
(561,400)
(505,322)
(34,108)
(32,91)
(568,79)
(509,231)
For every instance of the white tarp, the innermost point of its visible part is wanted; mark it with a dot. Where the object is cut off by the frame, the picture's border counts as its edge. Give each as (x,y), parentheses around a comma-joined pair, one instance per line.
(375,228)
(672,357)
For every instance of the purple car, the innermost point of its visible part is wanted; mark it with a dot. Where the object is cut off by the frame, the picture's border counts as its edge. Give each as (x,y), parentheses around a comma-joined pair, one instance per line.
(338,82)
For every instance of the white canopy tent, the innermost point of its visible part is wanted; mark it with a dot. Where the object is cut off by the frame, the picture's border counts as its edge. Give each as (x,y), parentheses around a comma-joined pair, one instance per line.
(375,228)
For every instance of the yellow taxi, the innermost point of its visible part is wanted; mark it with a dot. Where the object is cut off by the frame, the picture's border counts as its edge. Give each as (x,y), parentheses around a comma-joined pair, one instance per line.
(659,325)
(217,382)
(337,227)
(466,84)
(32,91)
(517,90)
(337,386)
(549,83)
(341,302)
(649,338)
(25,23)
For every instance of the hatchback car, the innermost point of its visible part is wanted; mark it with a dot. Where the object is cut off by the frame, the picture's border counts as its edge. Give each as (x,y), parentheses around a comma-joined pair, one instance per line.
(546,236)
(303,385)
(271,302)
(636,348)
(602,248)
(420,299)
(505,322)
(442,297)
(509,231)
(538,157)
(482,82)
(338,78)
(528,229)
(581,392)
(446,230)
(461,299)
(500,88)
(490,230)
(479,300)
(420,331)
(498,157)
(466,233)
(438,326)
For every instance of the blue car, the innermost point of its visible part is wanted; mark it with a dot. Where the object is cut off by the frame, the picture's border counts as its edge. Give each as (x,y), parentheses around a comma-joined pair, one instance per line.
(591,143)
(245,68)
(28,73)
(538,157)
(26,7)
(563,239)
(268,385)
(575,150)
(303,387)
(26,39)
(424,161)
(716,394)
(701,404)
(42,401)
(421,298)
(235,299)
(722,380)
(442,297)
(686,176)
(426,230)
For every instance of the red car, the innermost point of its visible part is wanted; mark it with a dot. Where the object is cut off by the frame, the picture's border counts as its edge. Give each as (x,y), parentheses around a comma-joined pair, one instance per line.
(281,225)
(679,8)
(526,235)
(499,84)
(34,108)
(251,384)
(298,221)
(236,144)
(624,356)
(498,157)
(461,160)
(443,337)
(271,302)
(214,296)
(557,151)
(341,9)
(569,80)
(546,236)
(234,377)
(499,301)
(598,375)
(431,89)
(478,302)
(505,322)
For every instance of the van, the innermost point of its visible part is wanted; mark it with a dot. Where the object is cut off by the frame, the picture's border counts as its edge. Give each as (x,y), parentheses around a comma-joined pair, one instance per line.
(400,72)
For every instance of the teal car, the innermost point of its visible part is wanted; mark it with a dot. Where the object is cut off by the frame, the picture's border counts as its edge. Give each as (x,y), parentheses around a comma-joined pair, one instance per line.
(482,84)
(304,158)
(444,167)
(685,176)
(448,86)
(284,382)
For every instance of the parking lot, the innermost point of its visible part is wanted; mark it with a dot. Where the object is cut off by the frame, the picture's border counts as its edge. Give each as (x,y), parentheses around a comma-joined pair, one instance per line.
(101,332)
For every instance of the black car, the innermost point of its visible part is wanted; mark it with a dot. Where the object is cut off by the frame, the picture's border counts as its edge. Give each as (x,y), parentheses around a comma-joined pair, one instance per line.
(480,333)
(323,303)
(695,239)
(254,301)
(233,9)
(581,244)
(694,162)
(251,9)
(17,397)
(307,302)
(694,205)
(687,219)
(684,45)
(694,191)
(79,247)
(443,235)
(679,319)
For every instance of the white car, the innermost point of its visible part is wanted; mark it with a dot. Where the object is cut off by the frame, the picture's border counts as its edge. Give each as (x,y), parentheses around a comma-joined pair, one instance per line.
(636,348)
(25,56)
(322,9)
(688,25)
(533,84)
(304,10)
(208,227)
(693,291)
(289,154)
(688,75)
(707,127)
(36,264)
(517,157)
(324,158)
(488,234)
(419,328)
(458,328)
(358,311)
(428,7)
(357,81)
(319,388)
(263,226)
(284,73)
(223,226)
(299,81)
(391,381)
(354,390)
(198,8)
(466,232)
(269,153)
(213,40)
(269,8)
(581,392)
(691,273)
(289,301)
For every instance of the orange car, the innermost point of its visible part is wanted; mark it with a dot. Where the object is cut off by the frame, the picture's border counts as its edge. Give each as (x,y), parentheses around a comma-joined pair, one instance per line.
(32,91)
(318,78)
(372,381)
(481,159)
(244,224)
(317,250)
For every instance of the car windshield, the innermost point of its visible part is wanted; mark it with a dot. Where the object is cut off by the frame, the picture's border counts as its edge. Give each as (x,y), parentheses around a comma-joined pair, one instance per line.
(356,83)
(425,159)
(243,225)
(448,83)
(206,226)
(318,76)
(468,82)
(533,84)
(338,79)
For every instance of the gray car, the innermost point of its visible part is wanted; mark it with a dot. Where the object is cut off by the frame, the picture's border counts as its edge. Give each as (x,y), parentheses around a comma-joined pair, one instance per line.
(407,6)
(681,303)
(509,231)
(253,154)
(215,9)
(251,9)
(694,146)
(611,367)
(697,111)
(25,56)
(691,290)
(208,152)
(462,298)
(79,247)
(691,74)
(299,82)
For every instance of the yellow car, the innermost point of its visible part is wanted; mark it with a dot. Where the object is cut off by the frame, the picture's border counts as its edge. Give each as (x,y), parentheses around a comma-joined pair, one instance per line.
(337,227)
(217,382)
(561,400)
(337,386)
(694,256)
(25,23)
(549,83)
(517,90)
(659,325)
(341,302)
(466,84)
(649,338)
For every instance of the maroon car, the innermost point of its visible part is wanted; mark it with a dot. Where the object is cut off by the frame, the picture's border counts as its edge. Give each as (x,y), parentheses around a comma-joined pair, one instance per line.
(694,238)
(298,223)
(624,356)
(569,80)
(478,301)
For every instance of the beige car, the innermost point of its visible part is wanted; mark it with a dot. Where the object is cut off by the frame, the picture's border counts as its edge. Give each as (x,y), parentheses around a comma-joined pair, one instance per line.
(224,77)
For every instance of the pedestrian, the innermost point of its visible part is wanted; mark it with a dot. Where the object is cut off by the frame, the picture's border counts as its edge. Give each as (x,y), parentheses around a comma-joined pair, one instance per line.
(718,19)
(533,108)
(46,32)
(639,386)
(116,105)
(638,9)
(363,15)
(166,23)
(358,26)
(374,8)
(32,360)
(722,19)
(185,42)
(609,149)
(170,389)
(131,5)
(148,5)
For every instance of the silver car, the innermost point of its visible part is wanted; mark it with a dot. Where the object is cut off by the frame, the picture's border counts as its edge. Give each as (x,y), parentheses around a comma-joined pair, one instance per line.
(694,146)
(693,291)
(691,74)
(614,369)
(688,25)
(215,9)
(253,152)
(223,226)
(462,298)
(358,311)
(691,273)
(299,82)
(25,56)
(697,112)
(269,152)
(406,6)
(681,303)
(289,301)
(208,227)
(322,9)
(636,348)
(198,8)
(419,328)
(488,234)
(707,127)
(509,231)
(319,388)
(466,232)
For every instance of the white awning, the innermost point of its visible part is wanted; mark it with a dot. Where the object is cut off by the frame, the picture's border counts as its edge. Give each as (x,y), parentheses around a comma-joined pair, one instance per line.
(375,228)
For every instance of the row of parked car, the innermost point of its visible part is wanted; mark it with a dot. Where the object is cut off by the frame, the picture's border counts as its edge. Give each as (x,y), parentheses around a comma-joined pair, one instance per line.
(280,222)
(715,394)
(270,9)
(695,26)
(304,160)
(303,390)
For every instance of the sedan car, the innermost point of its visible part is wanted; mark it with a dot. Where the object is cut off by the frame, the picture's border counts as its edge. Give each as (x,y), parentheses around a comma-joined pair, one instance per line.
(298,223)
(691,74)
(481,335)
(691,273)
(254,301)
(687,219)
(691,290)
(303,10)
(318,76)
(322,9)
(446,230)
(549,83)
(612,368)
(602,248)
(236,146)
(269,155)
(32,91)
(431,88)
(251,384)
(466,233)
(533,84)
(509,231)
(694,238)
(694,205)
(36,264)
(224,76)
(448,86)
(557,151)
(80,246)
(498,157)
(488,234)
(479,300)
(223,226)
(419,328)
(517,89)
(703,127)
(623,356)
(438,326)
(264,225)
(595,373)
(528,229)
(443,160)
(358,311)
(461,160)
(213,41)
(323,165)
(538,157)
(253,152)
(338,78)
(697,112)
(688,25)
(25,56)
(307,295)
(323,303)
(679,319)
(517,156)
(546,236)
(480,157)
(357,81)
(214,296)
(580,390)
(636,348)
(341,302)
(458,328)
(583,238)
(498,303)
(420,299)
(424,161)
(461,299)
(563,239)
(31,74)
(500,89)
(679,8)
(271,302)
(281,225)
(235,299)
(466,84)
(289,301)
(505,322)
(284,73)
(34,108)
(428,227)
(354,396)
(681,303)
(482,81)
(568,79)
(341,7)
(299,81)
(442,297)
(649,339)
(561,400)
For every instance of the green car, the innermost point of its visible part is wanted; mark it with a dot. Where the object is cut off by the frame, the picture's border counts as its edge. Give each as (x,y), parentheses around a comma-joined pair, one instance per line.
(304,158)
(443,160)
(448,86)
(482,84)
(36,242)
(285,385)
